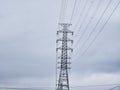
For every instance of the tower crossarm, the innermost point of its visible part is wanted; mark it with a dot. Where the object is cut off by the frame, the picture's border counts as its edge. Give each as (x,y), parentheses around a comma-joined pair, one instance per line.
(64,31)
(66,58)
(68,48)
(69,40)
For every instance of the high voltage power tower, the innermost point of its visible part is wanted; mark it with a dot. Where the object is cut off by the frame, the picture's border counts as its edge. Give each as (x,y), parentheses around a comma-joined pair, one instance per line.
(63,58)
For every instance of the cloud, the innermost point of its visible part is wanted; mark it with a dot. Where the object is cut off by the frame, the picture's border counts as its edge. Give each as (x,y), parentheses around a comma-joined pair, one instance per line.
(27,46)
(92,80)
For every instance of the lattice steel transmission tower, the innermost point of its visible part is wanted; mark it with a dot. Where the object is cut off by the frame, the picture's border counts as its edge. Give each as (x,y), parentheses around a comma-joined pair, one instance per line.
(63,56)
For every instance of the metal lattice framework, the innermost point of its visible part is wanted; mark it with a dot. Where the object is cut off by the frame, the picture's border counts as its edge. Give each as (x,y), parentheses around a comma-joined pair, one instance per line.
(63,58)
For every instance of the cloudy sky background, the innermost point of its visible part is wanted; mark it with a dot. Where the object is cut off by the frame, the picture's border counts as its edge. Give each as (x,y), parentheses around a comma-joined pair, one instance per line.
(28,41)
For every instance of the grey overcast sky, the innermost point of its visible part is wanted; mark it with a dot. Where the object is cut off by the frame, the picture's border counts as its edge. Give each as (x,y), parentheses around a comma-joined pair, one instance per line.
(28,45)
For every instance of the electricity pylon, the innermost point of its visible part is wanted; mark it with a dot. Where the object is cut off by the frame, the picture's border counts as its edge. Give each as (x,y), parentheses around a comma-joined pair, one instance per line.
(63,58)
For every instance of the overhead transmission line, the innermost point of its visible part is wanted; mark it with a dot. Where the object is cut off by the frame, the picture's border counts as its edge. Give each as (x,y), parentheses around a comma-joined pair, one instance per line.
(66,6)
(73,11)
(81,13)
(85,16)
(63,10)
(101,28)
(77,5)
(95,26)
(62,15)
(89,22)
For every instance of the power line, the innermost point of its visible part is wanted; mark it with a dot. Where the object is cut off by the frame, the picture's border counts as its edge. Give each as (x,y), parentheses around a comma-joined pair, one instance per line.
(77,9)
(73,11)
(85,16)
(63,10)
(66,6)
(101,28)
(81,13)
(95,26)
(88,24)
